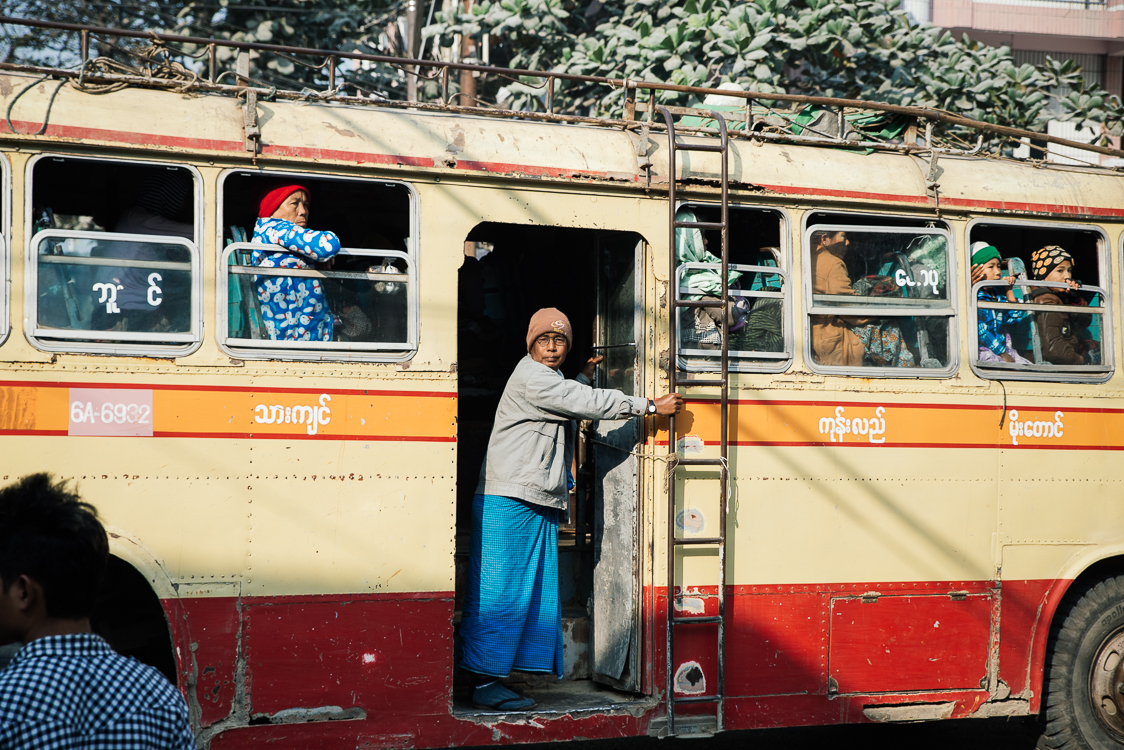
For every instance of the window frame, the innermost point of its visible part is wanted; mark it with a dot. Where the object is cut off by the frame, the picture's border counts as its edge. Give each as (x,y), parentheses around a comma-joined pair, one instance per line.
(6,247)
(122,347)
(785,271)
(1056,373)
(951,311)
(309,351)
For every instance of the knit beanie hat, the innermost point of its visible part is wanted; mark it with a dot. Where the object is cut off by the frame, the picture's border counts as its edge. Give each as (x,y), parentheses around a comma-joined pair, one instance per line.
(982,253)
(1043,261)
(549,320)
(274,198)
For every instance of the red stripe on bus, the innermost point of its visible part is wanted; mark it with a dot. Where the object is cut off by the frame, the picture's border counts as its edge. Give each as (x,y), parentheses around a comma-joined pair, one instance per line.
(304,436)
(358,157)
(829,444)
(492,166)
(227,389)
(907,405)
(962,202)
(249,436)
(443,596)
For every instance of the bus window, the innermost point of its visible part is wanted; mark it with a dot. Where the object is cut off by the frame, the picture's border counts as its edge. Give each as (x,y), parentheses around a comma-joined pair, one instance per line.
(115,263)
(5,238)
(293,302)
(760,337)
(1039,300)
(880,301)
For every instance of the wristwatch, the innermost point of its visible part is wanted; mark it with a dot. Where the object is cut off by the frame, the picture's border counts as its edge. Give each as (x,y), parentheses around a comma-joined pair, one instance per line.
(651,406)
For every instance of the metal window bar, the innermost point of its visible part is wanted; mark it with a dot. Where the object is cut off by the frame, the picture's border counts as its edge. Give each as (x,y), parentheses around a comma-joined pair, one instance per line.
(722,380)
(99,341)
(683,268)
(228,268)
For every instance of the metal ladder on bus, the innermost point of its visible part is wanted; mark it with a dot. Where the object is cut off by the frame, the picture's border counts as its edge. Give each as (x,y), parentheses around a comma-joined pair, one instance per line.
(722,381)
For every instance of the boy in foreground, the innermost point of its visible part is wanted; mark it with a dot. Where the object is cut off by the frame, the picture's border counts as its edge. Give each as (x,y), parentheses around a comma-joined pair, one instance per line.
(66,687)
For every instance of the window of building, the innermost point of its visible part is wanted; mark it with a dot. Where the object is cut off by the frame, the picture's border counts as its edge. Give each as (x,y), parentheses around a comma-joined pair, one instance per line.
(1039,302)
(114,261)
(760,308)
(303,299)
(880,302)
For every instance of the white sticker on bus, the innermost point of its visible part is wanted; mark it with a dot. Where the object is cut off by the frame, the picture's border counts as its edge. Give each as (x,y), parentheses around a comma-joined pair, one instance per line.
(310,416)
(110,412)
(1034,428)
(840,425)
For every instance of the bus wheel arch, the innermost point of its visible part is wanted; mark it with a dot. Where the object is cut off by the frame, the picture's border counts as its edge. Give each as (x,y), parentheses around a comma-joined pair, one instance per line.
(1083,676)
(130,613)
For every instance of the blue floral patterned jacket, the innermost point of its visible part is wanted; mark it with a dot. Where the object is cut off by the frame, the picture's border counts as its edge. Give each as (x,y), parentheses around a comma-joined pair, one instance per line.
(293,309)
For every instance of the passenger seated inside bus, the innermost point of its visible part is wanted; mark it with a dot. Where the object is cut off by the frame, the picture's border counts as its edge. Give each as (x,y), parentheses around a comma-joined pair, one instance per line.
(89,278)
(362,296)
(845,341)
(292,308)
(145,298)
(755,311)
(1065,336)
(995,325)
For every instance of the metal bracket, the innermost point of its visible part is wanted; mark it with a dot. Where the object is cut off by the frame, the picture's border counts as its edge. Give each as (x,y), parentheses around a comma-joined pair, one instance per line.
(251,130)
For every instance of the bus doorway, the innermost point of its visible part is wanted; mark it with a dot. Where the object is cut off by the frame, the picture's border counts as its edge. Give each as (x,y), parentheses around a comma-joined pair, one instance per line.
(509,272)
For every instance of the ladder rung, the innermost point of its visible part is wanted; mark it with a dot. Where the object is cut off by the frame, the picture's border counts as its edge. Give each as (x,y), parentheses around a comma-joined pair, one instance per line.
(697,303)
(700,147)
(695,620)
(713,383)
(698,699)
(697,540)
(700,225)
(700,462)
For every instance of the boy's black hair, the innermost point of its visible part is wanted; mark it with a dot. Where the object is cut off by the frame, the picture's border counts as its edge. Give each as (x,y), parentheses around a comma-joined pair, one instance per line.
(47,533)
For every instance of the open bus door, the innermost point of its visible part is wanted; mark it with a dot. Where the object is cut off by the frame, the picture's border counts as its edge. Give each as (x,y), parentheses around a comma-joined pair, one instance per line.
(616,645)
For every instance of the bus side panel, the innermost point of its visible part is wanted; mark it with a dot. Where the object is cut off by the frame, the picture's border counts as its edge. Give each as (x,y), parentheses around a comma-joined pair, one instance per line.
(205,634)
(384,655)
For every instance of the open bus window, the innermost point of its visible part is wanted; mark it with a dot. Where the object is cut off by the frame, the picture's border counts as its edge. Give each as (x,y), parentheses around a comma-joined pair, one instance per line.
(760,337)
(1039,301)
(279,302)
(115,264)
(880,301)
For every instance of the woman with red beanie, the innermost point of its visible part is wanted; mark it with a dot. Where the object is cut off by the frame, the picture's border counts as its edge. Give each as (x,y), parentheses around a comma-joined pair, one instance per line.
(293,309)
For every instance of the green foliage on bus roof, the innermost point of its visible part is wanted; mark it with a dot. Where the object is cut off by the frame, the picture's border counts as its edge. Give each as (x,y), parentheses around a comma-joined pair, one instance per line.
(866,49)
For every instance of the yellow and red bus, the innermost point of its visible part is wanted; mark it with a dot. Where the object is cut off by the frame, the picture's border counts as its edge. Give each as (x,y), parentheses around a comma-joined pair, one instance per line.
(926,533)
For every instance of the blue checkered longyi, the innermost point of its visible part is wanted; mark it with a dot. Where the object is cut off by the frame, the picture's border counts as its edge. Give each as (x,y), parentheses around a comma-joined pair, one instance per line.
(512,616)
(67,692)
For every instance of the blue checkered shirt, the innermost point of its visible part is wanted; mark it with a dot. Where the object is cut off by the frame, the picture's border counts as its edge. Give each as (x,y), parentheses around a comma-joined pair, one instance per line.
(74,691)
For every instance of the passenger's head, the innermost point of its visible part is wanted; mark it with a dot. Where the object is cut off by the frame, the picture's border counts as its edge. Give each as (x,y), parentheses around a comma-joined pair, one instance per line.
(289,202)
(163,190)
(1051,263)
(53,553)
(835,242)
(987,257)
(549,337)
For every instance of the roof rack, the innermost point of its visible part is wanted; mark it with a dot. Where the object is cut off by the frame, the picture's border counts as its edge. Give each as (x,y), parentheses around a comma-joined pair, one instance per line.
(756,117)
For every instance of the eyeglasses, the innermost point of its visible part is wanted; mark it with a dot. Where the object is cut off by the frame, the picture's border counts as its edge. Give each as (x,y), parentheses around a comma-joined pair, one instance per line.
(546,340)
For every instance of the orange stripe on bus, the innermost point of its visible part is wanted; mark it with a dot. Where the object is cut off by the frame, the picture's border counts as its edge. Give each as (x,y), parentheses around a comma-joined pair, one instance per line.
(267,413)
(895,425)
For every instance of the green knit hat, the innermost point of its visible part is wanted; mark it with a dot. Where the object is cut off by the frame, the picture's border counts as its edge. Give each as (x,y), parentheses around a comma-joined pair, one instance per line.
(982,253)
